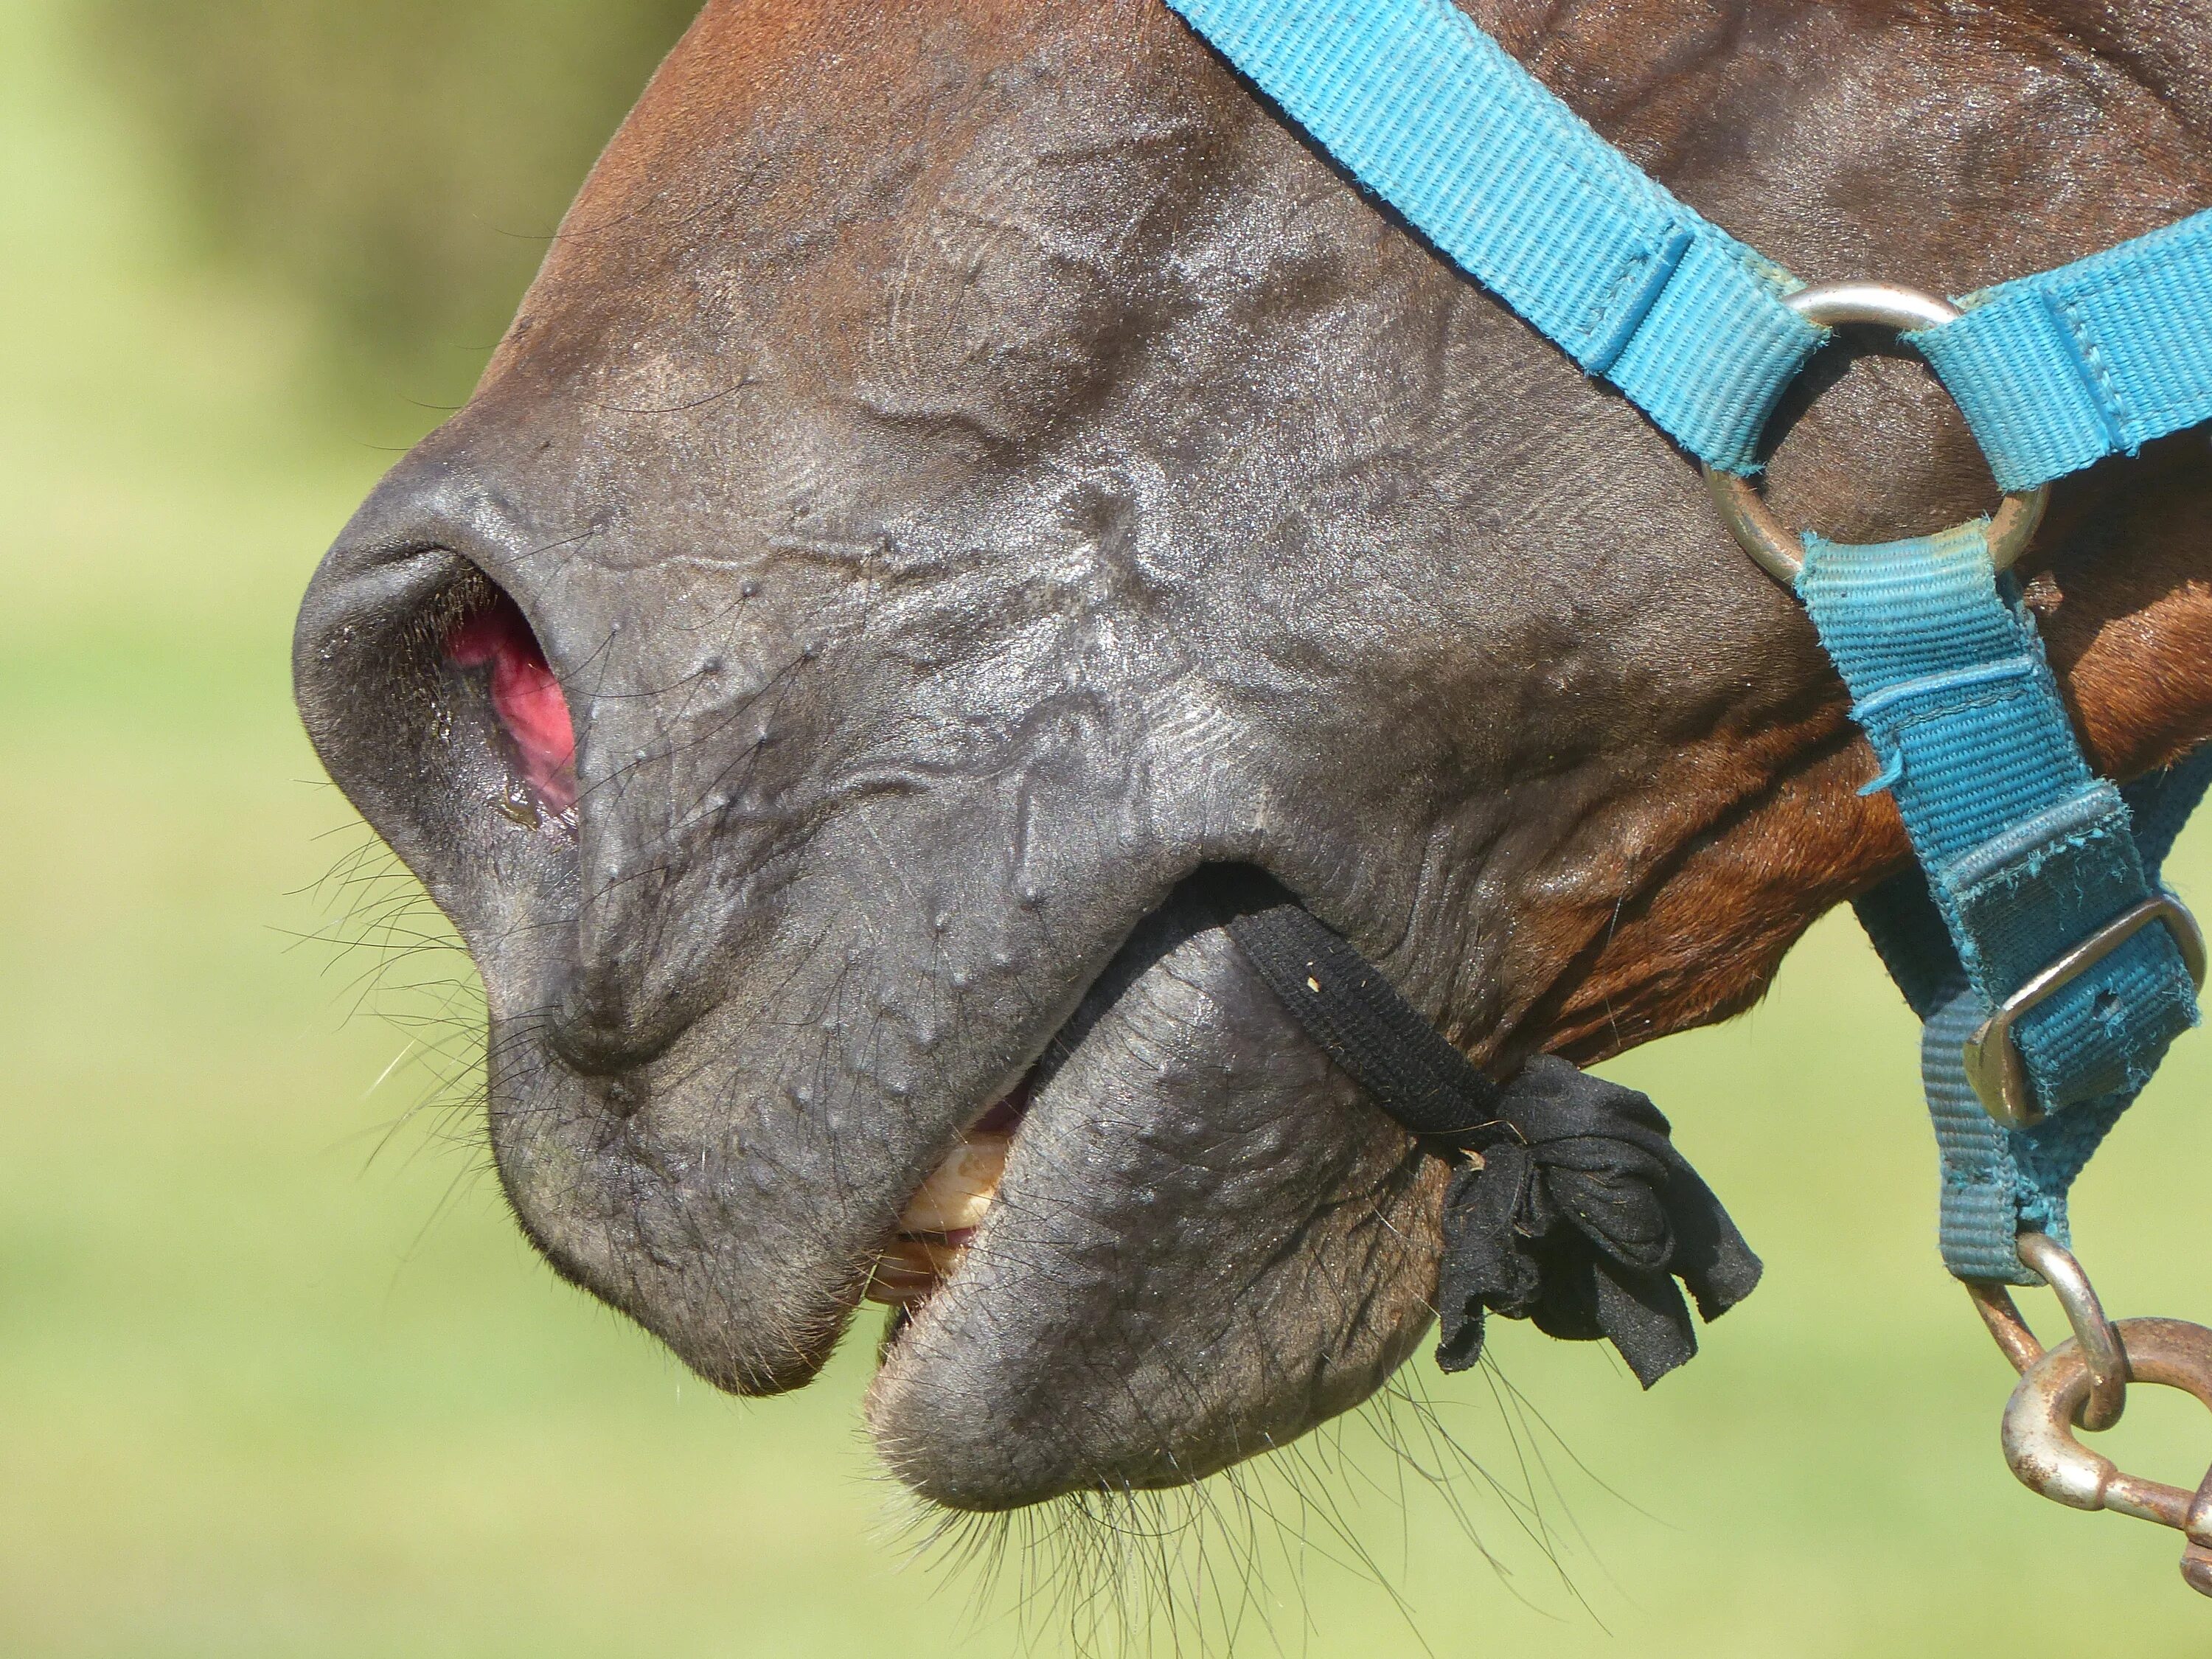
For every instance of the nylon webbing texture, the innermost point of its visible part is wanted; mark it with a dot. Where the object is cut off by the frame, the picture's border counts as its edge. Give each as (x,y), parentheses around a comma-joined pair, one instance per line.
(2025,853)
(1432,116)
(2094,359)
(2053,371)
(1358,1018)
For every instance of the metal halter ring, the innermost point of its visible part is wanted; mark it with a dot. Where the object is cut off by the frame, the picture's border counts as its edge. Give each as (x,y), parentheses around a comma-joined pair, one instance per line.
(1779,549)
(2094,1333)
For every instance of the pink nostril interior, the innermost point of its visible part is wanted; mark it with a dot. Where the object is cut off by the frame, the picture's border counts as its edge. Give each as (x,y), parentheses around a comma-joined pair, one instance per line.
(523,695)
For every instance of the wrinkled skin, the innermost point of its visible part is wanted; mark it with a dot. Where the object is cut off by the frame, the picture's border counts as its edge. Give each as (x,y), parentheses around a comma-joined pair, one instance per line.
(971,467)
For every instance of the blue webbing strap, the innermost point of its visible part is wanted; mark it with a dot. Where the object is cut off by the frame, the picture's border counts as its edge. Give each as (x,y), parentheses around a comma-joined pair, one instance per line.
(2096,358)
(2052,371)
(1431,115)
(1997,1181)
(2025,852)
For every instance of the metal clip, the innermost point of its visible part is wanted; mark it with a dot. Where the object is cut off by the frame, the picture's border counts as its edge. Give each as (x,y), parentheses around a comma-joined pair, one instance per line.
(1994,1068)
(2085,1383)
(2040,1445)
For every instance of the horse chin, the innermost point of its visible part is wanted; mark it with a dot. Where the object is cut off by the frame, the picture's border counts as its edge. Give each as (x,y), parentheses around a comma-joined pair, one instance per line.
(1206,1240)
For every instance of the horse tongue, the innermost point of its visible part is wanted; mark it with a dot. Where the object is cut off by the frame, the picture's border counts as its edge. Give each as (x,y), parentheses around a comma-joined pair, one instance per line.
(1206,1240)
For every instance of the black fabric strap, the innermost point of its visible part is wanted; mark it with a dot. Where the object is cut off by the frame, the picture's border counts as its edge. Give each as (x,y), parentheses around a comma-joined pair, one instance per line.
(1571,1207)
(1366,1027)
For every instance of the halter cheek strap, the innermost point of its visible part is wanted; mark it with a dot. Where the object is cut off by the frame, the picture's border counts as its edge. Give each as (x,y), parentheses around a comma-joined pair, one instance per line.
(2023,852)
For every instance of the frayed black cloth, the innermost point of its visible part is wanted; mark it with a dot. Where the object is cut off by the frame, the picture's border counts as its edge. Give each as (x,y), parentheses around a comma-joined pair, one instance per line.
(1571,1207)
(1581,1221)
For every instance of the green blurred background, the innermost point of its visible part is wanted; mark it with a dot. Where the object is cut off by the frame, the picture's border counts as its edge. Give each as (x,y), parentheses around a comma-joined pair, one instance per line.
(277,1377)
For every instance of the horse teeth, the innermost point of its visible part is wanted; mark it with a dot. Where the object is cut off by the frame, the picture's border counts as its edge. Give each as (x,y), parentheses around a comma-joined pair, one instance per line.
(903,1275)
(957,1194)
(940,1221)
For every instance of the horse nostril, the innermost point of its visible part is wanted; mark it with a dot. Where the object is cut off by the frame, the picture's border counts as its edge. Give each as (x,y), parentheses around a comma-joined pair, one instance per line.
(527,700)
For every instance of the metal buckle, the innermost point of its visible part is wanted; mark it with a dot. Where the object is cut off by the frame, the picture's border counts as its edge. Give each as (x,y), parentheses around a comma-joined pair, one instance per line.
(1994,1068)
(2085,1381)
(1779,549)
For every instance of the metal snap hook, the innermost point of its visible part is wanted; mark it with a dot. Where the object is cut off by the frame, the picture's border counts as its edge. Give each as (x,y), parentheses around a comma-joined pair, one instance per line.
(2099,1340)
(2040,1443)
(1779,549)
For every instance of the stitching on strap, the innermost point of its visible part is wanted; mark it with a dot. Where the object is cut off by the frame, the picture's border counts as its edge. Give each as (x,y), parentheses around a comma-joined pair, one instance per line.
(2096,373)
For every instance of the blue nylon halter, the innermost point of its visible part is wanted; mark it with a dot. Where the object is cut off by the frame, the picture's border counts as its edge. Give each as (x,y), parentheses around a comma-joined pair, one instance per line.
(2024,853)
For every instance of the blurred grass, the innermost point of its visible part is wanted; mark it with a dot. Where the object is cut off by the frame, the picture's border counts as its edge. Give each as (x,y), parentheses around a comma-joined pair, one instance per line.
(397,167)
(267,1391)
